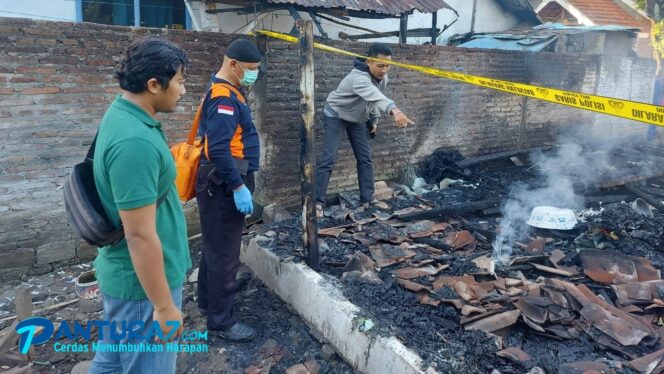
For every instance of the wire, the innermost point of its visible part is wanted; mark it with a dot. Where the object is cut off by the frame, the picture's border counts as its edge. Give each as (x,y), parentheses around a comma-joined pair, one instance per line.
(245,25)
(129,5)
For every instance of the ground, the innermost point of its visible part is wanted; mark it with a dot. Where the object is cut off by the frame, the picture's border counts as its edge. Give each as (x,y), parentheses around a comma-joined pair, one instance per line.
(283,339)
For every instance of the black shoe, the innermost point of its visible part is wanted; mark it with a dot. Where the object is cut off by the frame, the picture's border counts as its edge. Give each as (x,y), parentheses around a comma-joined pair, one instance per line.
(237,333)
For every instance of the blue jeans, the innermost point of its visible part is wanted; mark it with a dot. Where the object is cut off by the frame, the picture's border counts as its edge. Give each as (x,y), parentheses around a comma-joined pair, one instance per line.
(132,362)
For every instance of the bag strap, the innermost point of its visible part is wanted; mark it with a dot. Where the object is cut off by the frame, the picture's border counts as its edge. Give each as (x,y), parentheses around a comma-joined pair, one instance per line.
(90,158)
(91,151)
(194,124)
(191,137)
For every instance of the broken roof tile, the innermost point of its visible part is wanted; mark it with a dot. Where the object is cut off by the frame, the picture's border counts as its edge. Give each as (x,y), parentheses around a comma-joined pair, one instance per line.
(526,259)
(557,256)
(424,298)
(630,309)
(332,232)
(460,239)
(457,303)
(645,271)
(513,354)
(532,324)
(562,332)
(552,270)
(387,255)
(585,367)
(637,293)
(535,308)
(359,262)
(362,238)
(625,332)
(411,272)
(606,266)
(463,290)
(469,309)
(536,246)
(479,292)
(511,282)
(649,363)
(495,322)
(382,216)
(405,211)
(484,262)
(412,286)
(450,281)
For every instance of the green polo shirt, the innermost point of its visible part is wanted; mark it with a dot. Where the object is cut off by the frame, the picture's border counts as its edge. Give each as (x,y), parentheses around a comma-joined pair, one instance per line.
(133,167)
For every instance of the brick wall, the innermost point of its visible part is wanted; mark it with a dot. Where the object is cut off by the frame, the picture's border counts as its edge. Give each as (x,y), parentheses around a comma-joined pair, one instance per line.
(56,82)
(447,114)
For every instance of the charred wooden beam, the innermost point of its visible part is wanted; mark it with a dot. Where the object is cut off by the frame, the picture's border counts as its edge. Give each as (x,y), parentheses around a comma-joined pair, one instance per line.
(433,243)
(308,149)
(455,210)
(403,29)
(434,27)
(497,156)
(589,200)
(622,181)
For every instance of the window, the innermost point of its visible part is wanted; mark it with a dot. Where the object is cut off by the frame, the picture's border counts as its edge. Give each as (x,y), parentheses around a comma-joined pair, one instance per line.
(109,12)
(163,13)
(152,13)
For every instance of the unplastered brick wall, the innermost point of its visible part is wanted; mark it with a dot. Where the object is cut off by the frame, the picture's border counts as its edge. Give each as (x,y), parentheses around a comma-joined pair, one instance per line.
(56,82)
(447,114)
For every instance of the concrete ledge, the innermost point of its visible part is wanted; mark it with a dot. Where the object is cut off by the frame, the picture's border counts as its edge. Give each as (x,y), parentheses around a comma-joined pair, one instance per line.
(322,305)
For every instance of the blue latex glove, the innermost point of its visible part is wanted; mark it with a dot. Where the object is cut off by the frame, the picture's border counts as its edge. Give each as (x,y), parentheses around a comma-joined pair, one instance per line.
(243,200)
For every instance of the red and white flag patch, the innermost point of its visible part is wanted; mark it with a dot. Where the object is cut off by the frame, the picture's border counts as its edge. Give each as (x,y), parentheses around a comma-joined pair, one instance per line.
(225,109)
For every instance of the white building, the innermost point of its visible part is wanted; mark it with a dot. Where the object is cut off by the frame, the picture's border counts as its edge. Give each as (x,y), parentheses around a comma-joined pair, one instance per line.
(148,13)
(456,16)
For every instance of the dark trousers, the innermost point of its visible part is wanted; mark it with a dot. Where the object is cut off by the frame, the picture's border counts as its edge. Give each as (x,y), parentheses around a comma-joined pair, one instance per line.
(359,141)
(221,225)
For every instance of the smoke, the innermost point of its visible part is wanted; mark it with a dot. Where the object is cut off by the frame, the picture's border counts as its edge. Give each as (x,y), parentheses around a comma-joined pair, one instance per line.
(580,160)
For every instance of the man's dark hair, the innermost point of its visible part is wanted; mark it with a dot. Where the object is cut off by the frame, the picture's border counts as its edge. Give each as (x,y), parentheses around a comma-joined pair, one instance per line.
(379,49)
(148,58)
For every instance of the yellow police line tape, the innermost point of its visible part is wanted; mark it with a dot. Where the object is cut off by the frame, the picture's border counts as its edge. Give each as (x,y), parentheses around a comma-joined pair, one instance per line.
(647,113)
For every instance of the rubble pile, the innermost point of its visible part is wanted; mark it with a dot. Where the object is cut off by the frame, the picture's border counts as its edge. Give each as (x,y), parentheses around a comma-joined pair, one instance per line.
(587,298)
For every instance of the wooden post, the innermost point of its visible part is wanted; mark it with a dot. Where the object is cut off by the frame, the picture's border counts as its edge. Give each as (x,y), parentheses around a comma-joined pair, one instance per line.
(307,148)
(403,29)
(472,20)
(434,27)
(23,301)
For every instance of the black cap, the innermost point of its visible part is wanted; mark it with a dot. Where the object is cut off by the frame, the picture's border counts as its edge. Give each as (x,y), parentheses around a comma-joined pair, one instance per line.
(244,51)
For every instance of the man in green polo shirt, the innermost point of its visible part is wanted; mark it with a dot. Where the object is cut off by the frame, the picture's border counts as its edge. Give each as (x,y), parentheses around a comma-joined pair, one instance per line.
(141,277)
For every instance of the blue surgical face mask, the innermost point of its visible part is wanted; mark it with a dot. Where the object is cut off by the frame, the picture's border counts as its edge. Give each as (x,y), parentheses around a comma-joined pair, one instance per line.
(249,77)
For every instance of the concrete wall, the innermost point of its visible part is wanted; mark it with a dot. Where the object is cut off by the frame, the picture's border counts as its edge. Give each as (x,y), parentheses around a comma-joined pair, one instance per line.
(56,82)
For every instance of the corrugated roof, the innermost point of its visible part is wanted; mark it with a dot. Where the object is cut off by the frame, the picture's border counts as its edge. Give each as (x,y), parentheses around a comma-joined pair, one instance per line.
(535,39)
(389,7)
(510,42)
